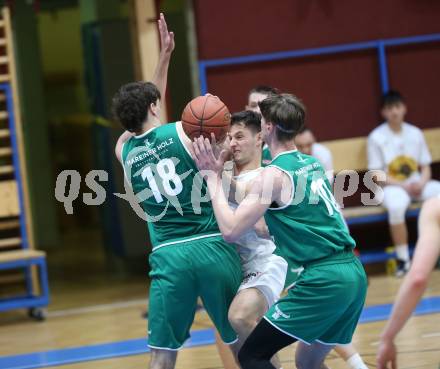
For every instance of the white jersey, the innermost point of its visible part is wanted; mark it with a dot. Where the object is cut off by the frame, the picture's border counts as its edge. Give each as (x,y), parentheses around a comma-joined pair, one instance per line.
(250,246)
(324,155)
(398,154)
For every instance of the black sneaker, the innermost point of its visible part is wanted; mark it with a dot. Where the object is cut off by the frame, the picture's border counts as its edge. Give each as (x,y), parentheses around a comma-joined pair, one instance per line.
(402,267)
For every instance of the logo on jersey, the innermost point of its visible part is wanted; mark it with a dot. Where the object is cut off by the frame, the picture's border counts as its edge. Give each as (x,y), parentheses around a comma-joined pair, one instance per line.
(278,314)
(300,158)
(297,270)
(250,276)
(148,144)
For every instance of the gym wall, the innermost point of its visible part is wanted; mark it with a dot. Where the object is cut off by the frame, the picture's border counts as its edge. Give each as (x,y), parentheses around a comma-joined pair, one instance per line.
(341,91)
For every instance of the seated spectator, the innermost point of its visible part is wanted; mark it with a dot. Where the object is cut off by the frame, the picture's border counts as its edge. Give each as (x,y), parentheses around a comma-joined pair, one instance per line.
(305,141)
(399,149)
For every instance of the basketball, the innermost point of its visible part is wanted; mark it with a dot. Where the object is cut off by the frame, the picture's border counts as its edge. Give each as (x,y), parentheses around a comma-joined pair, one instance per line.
(205,115)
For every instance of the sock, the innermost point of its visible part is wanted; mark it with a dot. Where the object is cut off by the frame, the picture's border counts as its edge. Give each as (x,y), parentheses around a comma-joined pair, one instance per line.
(402,252)
(355,362)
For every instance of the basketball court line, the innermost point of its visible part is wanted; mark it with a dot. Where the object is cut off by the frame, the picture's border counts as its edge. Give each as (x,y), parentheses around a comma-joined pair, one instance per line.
(102,351)
(102,307)
(97,308)
(428,305)
(429,335)
(376,313)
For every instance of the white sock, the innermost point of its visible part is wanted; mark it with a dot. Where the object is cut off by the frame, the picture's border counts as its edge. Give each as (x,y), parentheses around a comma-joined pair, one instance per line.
(355,362)
(402,252)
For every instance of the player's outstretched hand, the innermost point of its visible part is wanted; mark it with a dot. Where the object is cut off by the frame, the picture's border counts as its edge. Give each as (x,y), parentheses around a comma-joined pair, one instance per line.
(386,355)
(207,158)
(166,37)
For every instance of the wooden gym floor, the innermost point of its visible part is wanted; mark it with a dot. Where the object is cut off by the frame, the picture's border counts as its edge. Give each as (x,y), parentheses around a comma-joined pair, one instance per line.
(102,312)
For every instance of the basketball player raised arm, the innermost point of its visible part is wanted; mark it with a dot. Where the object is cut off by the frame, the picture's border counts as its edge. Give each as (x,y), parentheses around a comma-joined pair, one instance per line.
(160,75)
(426,255)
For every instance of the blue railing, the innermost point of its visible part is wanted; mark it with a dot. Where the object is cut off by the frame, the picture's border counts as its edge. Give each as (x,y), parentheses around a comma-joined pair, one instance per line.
(6,88)
(30,300)
(380,45)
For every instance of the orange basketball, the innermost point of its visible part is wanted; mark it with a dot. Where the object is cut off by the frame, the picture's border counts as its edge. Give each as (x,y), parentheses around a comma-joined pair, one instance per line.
(206,114)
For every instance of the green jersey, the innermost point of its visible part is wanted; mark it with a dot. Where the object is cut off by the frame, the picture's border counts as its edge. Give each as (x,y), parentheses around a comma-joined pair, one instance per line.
(164,179)
(310,227)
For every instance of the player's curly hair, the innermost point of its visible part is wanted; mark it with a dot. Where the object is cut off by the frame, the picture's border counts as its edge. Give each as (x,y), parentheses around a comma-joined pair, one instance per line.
(131,102)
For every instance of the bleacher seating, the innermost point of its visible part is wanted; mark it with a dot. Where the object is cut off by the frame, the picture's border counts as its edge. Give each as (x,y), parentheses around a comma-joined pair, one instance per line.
(351,154)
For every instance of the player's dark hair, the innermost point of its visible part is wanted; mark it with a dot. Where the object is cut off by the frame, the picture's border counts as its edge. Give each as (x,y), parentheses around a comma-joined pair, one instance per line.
(390,98)
(266,90)
(249,119)
(131,102)
(286,112)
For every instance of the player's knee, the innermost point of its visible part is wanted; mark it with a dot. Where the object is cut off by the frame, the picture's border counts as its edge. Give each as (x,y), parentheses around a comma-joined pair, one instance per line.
(396,215)
(161,359)
(241,321)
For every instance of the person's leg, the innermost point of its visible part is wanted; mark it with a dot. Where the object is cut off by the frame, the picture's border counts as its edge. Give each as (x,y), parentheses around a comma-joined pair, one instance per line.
(172,305)
(219,275)
(245,312)
(163,359)
(262,344)
(311,356)
(351,356)
(226,356)
(396,201)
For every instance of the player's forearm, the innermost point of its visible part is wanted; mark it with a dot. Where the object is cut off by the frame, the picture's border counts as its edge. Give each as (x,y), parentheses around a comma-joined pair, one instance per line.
(236,191)
(261,229)
(232,223)
(224,214)
(409,295)
(160,76)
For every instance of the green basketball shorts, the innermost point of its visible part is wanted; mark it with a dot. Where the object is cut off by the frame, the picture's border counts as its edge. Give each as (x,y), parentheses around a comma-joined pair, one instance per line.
(208,268)
(325,303)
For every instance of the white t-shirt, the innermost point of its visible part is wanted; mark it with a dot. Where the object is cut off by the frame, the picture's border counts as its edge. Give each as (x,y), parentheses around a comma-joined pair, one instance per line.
(250,246)
(324,156)
(398,154)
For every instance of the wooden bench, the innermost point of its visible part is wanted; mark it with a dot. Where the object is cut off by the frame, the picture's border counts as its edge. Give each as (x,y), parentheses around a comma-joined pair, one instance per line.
(15,254)
(26,258)
(351,154)
(17,251)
